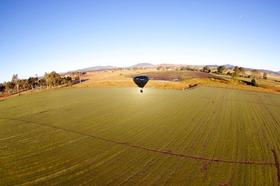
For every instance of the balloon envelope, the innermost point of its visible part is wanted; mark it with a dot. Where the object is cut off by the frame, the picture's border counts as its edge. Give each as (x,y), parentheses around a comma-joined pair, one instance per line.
(141,81)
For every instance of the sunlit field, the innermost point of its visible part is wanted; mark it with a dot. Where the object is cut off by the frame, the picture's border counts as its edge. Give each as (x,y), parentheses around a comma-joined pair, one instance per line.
(117,136)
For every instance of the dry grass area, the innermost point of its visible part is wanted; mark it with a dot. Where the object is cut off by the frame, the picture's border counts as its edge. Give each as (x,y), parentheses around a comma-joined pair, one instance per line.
(178,80)
(165,80)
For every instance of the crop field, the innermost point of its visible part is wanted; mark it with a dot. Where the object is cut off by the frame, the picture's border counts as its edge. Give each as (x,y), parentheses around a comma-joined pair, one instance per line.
(117,136)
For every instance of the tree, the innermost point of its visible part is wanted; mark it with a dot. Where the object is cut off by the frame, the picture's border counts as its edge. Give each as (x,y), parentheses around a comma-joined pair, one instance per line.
(2,87)
(254,82)
(15,81)
(241,71)
(47,77)
(256,74)
(229,73)
(14,78)
(161,67)
(79,74)
(23,84)
(52,79)
(264,75)
(42,82)
(32,82)
(67,80)
(9,86)
(221,69)
(236,72)
(183,68)
(206,69)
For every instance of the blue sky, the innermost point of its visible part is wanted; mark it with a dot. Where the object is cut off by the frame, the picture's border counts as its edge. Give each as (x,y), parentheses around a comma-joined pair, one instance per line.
(41,36)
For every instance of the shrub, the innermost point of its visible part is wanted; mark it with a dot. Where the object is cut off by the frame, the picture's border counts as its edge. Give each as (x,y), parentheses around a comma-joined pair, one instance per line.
(254,82)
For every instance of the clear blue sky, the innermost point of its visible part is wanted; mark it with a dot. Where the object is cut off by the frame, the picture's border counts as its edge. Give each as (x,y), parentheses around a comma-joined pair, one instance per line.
(39,36)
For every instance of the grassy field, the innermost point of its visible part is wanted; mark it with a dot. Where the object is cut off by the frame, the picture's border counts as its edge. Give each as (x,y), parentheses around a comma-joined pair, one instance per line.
(117,136)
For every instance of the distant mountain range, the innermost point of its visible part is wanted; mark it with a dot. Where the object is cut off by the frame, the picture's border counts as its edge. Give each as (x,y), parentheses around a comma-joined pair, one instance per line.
(96,68)
(143,65)
(108,67)
(149,65)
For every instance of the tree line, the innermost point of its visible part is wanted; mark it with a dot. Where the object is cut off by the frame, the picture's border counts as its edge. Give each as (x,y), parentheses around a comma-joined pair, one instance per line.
(238,72)
(49,80)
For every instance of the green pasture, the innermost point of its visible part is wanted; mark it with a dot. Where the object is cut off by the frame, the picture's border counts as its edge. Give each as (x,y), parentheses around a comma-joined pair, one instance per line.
(117,136)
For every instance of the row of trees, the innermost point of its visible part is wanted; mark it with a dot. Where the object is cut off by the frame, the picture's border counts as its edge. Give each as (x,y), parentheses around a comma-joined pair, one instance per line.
(236,72)
(49,80)
(255,74)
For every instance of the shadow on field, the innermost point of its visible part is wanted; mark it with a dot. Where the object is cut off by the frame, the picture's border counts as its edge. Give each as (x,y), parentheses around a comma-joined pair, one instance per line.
(191,86)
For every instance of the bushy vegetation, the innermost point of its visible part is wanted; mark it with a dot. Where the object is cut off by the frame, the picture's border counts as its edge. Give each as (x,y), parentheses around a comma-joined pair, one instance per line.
(49,80)
(264,75)
(188,68)
(238,72)
(254,82)
(206,69)
(221,69)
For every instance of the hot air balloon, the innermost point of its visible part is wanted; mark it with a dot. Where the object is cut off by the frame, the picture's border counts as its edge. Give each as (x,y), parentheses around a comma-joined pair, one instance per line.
(141,81)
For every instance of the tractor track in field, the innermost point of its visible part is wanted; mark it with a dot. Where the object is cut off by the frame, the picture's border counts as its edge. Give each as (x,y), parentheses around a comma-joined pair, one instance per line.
(277,165)
(164,152)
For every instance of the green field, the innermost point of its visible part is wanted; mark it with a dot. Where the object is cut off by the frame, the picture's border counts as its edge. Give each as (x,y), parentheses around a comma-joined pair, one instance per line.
(117,136)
